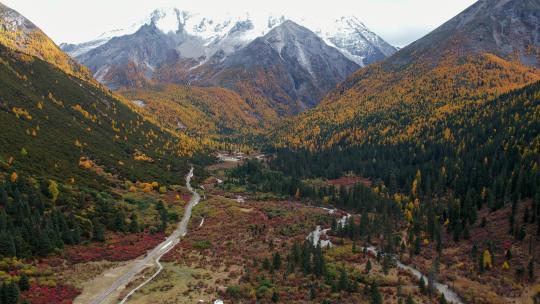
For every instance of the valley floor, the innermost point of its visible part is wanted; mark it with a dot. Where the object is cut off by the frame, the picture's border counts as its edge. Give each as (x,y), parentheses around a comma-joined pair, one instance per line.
(234,237)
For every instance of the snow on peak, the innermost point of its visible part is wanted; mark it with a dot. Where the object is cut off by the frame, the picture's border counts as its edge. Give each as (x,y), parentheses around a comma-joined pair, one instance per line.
(168,20)
(351,37)
(227,32)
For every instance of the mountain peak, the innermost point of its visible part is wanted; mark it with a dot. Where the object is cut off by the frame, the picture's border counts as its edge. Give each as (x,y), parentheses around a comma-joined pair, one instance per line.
(20,34)
(353,38)
(352,21)
(12,21)
(290,23)
(301,65)
(507,28)
(169,19)
(202,41)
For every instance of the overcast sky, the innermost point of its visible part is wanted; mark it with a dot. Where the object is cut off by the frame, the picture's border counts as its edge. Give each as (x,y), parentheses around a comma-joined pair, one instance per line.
(399,22)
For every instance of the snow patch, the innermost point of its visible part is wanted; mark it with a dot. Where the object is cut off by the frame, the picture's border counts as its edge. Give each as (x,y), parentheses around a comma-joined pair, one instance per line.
(139,103)
(167,20)
(314,237)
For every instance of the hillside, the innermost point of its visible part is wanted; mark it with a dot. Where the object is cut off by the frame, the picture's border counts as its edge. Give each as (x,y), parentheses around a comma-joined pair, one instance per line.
(275,64)
(465,184)
(448,128)
(290,66)
(18,33)
(75,162)
(435,75)
(40,103)
(203,111)
(69,148)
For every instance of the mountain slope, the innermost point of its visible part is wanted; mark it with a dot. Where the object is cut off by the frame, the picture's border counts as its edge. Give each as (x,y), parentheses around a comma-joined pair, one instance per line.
(38,103)
(462,182)
(438,74)
(350,36)
(211,111)
(174,46)
(506,28)
(71,150)
(169,37)
(290,66)
(130,61)
(17,32)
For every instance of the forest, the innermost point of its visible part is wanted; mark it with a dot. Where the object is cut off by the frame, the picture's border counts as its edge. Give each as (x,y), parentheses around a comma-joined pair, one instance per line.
(479,157)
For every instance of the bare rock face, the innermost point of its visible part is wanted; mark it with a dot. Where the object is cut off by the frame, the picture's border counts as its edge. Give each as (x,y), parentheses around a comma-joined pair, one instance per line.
(21,34)
(507,28)
(295,65)
(12,21)
(124,59)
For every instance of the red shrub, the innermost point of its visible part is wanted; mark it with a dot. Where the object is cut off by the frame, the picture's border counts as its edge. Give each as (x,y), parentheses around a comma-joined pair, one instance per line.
(118,247)
(61,294)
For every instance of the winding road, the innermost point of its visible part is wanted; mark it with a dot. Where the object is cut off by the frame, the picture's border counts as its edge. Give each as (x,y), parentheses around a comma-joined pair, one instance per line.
(155,254)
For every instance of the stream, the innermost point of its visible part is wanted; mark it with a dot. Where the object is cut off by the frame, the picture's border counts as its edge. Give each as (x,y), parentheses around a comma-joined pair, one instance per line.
(315,238)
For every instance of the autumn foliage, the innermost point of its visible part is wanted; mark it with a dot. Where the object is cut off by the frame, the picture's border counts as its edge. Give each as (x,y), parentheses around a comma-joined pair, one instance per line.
(61,294)
(116,248)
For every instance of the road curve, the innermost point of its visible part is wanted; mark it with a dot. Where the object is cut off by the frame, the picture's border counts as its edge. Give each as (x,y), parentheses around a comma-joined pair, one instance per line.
(155,254)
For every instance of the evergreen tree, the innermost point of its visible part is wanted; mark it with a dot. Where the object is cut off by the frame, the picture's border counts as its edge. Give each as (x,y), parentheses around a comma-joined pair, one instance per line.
(376,297)
(266,264)
(99,232)
(276,261)
(163,216)
(275,297)
(24,283)
(42,245)
(442,299)
(319,264)
(312,292)
(368,266)
(7,245)
(386,264)
(119,223)
(3,196)
(530,269)
(306,257)
(343,280)
(421,285)
(134,224)
(521,233)
(10,293)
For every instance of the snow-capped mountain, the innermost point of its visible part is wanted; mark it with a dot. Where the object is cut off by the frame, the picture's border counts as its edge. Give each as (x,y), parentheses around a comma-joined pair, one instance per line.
(295,66)
(76,50)
(229,32)
(355,40)
(177,46)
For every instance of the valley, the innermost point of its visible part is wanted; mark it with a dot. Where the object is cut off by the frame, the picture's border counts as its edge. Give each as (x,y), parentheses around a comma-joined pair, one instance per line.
(252,156)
